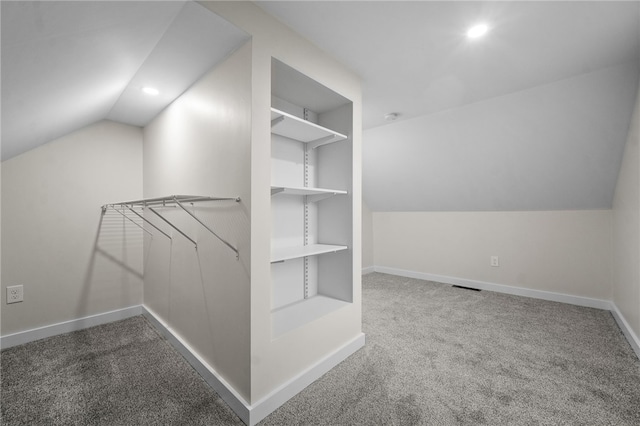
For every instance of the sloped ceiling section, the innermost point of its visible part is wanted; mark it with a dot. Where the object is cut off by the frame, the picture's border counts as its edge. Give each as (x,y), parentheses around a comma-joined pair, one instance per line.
(414,57)
(533,116)
(68,64)
(553,147)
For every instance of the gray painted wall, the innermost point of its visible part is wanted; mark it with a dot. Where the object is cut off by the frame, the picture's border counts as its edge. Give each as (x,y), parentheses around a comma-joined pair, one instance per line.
(553,147)
(200,145)
(566,252)
(367,237)
(626,229)
(71,263)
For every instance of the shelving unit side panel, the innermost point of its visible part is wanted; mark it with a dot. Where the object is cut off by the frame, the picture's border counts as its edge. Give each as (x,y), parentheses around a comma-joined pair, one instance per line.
(336,215)
(335,161)
(335,275)
(338,119)
(335,223)
(287,283)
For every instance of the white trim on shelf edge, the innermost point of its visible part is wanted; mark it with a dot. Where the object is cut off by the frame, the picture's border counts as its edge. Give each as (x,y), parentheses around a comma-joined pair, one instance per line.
(293,190)
(301,130)
(289,253)
(313,194)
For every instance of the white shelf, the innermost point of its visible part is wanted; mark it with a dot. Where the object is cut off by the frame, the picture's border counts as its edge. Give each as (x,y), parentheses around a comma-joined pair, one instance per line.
(292,316)
(288,253)
(292,127)
(312,194)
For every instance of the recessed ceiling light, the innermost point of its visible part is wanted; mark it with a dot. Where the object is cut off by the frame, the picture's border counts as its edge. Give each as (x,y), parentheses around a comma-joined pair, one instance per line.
(151,91)
(477,31)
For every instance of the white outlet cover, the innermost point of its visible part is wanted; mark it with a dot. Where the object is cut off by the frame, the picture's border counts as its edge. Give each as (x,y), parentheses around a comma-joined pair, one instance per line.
(15,294)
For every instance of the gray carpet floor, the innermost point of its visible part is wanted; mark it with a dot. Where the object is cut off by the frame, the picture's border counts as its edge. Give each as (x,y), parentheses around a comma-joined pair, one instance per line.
(123,373)
(435,355)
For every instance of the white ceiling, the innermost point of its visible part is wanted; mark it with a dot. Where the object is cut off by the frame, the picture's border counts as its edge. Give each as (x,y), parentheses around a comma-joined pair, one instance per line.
(415,59)
(533,116)
(66,65)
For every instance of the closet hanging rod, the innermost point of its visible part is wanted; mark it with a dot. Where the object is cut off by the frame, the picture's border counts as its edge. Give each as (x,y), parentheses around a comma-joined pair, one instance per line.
(171,199)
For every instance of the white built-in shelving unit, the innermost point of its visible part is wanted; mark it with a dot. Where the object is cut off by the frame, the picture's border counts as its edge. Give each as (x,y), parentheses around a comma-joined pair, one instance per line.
(311,202)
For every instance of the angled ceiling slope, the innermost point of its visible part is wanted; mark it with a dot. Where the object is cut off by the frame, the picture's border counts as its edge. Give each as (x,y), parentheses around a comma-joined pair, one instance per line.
(534,116)
(552,147)
(414,57)
(66,65)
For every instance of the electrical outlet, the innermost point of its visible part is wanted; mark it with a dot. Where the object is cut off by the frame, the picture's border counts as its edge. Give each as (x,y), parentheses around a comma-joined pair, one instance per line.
(495,261)
(15,294)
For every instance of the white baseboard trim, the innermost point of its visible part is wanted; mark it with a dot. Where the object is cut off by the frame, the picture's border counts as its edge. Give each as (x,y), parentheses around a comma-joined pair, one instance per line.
(27,336)
(626,329)
(224,389)
(279,396)
(606,305)
(252,414)
(500,288)
(368,270)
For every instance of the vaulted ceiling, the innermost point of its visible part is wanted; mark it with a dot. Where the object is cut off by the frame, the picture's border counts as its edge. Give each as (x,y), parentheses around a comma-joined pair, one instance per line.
(532,116)
(68,64)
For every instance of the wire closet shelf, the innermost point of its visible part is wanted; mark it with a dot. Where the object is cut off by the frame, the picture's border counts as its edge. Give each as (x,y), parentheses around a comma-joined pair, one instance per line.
(153,204)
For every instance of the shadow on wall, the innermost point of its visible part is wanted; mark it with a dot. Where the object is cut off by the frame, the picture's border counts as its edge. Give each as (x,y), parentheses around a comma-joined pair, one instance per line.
(184,270)
(115,272)
(201,290)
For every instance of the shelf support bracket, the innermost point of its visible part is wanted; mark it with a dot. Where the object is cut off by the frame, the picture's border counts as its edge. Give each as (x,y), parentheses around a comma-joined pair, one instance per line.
(322,141)
(318,197)
(277,120)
